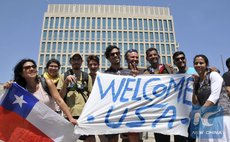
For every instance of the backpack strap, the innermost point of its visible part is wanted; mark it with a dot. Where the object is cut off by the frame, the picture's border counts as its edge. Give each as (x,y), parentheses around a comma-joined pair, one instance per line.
(68,72)
(44,84)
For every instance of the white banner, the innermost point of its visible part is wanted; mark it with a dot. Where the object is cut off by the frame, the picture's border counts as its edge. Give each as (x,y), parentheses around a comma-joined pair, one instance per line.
(157,103)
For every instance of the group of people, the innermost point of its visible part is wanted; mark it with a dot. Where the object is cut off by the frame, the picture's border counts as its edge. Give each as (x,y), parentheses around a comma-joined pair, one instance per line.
(70,90)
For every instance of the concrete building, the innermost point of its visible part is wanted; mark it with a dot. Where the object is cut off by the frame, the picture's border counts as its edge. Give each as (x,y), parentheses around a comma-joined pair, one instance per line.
(89,29)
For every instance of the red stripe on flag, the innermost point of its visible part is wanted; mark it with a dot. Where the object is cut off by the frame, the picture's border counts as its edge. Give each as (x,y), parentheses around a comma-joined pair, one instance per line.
(15,128)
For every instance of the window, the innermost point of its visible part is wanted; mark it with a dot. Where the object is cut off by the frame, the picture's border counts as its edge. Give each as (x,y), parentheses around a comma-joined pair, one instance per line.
(93,35)
(103,60)
(41,59)
(92,47)
(162,49)
(158,47)
(65,47)
(72,22)
(59,47)
(60,34)
(165,25)
(141,36)
(81,47)
(163,59)
(109,23)
(48,47)
(44,34)
(119,23)
(125,36)
(135,23)
(151,36)
(76,35)
(70,47)
(82,22)
(146,36)
(120,36)
(51,22)
(155,25)
(142,61)
(93,23)
(50,35)
(67,22)
(130,24)
(162,37)
(56,22)
(173,48)
(142,48)
(88,23)
(55,35)
(145,24)
(98,23)
(87,36)
(167,49)
(82,35)
(103,36)
(114,35)
(160,25)
(98,47)
(130,36)
(125,47)
(103,23)
(54,47)
(125,23)
(66,35)
(140,24)
(150,24)
(170,25)
(75,47)
(171,37)
(43,47)
(157,36)
(166,37)
(87,47)
(71,35)
(63,59)
(103,47)
(46,22)
(58,57)
(98,35)
(62,23)
(169,60)
(114,23)
(136,36)
(109,35)
(78,22)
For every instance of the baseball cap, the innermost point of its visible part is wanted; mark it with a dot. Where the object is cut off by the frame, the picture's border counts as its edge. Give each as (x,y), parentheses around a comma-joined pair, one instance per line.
(76,56)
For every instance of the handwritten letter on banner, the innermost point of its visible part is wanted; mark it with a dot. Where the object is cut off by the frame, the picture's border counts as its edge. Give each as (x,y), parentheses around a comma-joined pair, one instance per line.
(157,103)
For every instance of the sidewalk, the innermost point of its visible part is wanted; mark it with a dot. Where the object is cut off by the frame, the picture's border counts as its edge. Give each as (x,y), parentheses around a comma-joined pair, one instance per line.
(147,137)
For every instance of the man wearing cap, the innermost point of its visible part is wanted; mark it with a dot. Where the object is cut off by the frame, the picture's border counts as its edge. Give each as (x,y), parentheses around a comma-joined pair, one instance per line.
(75,86)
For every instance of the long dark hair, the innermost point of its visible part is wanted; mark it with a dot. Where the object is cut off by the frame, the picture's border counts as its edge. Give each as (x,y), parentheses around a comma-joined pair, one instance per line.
(18,69)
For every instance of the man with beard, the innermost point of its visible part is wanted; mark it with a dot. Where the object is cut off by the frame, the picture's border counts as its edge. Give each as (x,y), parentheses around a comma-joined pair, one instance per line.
(75,87)
(112,54)
(155,67)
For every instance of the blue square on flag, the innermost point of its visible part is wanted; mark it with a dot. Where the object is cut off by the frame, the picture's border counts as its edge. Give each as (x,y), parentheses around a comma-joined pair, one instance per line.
(206,122)
(19,101)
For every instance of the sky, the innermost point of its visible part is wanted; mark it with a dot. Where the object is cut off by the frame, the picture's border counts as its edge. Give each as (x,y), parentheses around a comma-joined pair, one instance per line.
(201,27)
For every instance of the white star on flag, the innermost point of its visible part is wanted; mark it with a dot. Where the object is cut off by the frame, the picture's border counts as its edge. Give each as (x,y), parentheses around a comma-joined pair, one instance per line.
(19,100)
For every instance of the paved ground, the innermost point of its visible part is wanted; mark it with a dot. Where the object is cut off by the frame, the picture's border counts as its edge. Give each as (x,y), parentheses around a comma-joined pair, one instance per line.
(147,137)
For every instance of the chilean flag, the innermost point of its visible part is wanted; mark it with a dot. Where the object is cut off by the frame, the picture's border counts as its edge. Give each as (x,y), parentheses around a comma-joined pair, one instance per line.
(24,118)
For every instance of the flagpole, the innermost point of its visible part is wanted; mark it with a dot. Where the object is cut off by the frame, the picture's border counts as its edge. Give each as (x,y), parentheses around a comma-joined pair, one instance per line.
(222,63)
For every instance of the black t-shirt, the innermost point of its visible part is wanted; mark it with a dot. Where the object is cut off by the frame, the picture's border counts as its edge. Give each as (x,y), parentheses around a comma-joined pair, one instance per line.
(226,77)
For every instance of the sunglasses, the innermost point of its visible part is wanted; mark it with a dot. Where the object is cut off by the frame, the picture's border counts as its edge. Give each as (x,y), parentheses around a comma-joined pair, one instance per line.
(115,53)
(178,59)
(28,67)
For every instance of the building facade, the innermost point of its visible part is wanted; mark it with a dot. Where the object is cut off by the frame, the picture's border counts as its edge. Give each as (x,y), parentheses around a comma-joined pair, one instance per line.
(89,29)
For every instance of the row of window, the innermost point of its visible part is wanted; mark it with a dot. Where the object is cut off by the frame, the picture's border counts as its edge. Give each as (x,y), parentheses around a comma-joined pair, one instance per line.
(107,23)
(92,47)
(108,36)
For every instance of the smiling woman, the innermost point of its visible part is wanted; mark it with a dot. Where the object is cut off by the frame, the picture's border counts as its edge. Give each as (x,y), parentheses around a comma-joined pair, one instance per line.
(25,74)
